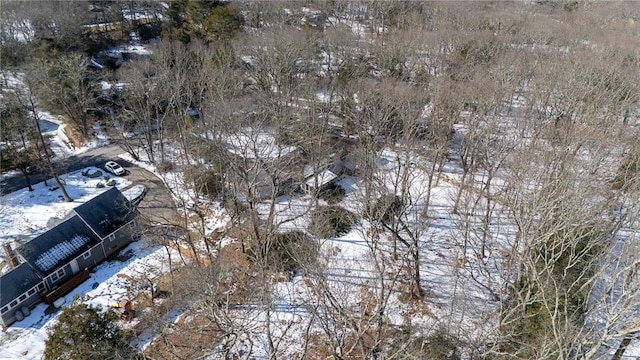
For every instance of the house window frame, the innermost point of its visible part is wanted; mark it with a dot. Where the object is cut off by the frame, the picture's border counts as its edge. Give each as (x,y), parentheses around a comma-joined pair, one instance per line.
(86,255)
(4,309)
(41,287)
(31,291)
(112,237)
(13,304)
(58,274)
(22,297)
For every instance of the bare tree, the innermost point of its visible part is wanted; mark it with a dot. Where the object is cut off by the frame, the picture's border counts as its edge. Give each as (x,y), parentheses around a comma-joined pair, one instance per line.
(24,99)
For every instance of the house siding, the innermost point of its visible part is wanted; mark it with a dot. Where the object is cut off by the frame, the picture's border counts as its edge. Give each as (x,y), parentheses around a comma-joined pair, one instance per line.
(9,317)
(51,283)
(121,238)
(96,255)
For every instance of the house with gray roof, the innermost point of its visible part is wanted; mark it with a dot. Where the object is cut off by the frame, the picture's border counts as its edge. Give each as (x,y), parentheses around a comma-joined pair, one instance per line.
(54,262)
(111,217)
(19,289)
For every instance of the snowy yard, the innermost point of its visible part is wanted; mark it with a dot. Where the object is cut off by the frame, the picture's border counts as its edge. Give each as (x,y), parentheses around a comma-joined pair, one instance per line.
(488,181)
(25,214)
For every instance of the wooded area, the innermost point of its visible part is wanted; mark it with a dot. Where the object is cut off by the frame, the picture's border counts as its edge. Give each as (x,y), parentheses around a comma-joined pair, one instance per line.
(527,112)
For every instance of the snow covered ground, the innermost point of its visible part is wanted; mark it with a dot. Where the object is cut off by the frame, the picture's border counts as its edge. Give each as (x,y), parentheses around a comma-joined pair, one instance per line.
(51,125)
(25,213)
(465,296)
(116,280)
(251,145)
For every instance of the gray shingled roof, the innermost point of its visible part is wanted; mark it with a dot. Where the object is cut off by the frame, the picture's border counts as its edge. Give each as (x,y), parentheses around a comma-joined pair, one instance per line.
(39,254)
(107,212)
(16,282)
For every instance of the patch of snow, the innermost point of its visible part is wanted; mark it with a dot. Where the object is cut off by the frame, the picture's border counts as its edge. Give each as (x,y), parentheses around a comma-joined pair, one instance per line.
(26,213)
(257,145)
(20,31)
(134,192)
(97,64)
(140,14)
(61,251)
(138,49)
(321,179)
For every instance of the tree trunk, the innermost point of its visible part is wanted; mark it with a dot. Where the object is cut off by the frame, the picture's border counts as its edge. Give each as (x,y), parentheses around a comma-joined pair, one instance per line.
(416,291)
(52,169)
(26,172)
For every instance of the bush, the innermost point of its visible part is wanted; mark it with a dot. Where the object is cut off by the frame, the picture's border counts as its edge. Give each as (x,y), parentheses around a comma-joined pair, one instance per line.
(332,195)
(147,32)
(564,264)
(83,332)
(331,221)
(628,171)
(207,182)
(286,252)
(234,205)
(441,346)
(165,166)
(290,251)
(385,209)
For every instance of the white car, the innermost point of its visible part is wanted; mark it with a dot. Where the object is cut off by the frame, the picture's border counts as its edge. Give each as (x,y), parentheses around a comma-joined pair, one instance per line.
(135,194)
(114,168)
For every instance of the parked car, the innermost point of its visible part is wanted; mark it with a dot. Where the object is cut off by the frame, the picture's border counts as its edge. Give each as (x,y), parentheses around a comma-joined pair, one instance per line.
(114,168)
(135,194)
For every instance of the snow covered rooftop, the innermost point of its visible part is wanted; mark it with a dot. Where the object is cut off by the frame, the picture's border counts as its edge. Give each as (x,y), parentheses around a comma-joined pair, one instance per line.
(253,145)
(53,256)
(322,179)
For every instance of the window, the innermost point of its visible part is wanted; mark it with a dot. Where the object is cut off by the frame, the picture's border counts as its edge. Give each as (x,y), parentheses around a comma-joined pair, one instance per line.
(4,309)
(57,275)
(13,303)
(22,298)
(112,237)
(31,292)
(86,255)
(41,287)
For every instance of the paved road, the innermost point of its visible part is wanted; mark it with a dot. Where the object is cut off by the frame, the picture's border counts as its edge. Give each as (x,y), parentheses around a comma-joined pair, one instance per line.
(157,205)
(94,157)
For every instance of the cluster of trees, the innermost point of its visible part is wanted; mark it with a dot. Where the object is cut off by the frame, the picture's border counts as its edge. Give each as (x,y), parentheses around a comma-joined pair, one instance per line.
(546,128)
(536,110)
(46,53)
(84,332)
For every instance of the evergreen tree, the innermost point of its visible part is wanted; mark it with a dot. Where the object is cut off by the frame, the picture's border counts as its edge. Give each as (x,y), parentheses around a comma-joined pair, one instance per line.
(208,20)
(85,333)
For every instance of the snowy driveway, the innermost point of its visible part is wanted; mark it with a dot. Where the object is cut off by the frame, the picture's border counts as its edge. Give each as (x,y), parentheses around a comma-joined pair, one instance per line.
(93,157)
(158,205)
